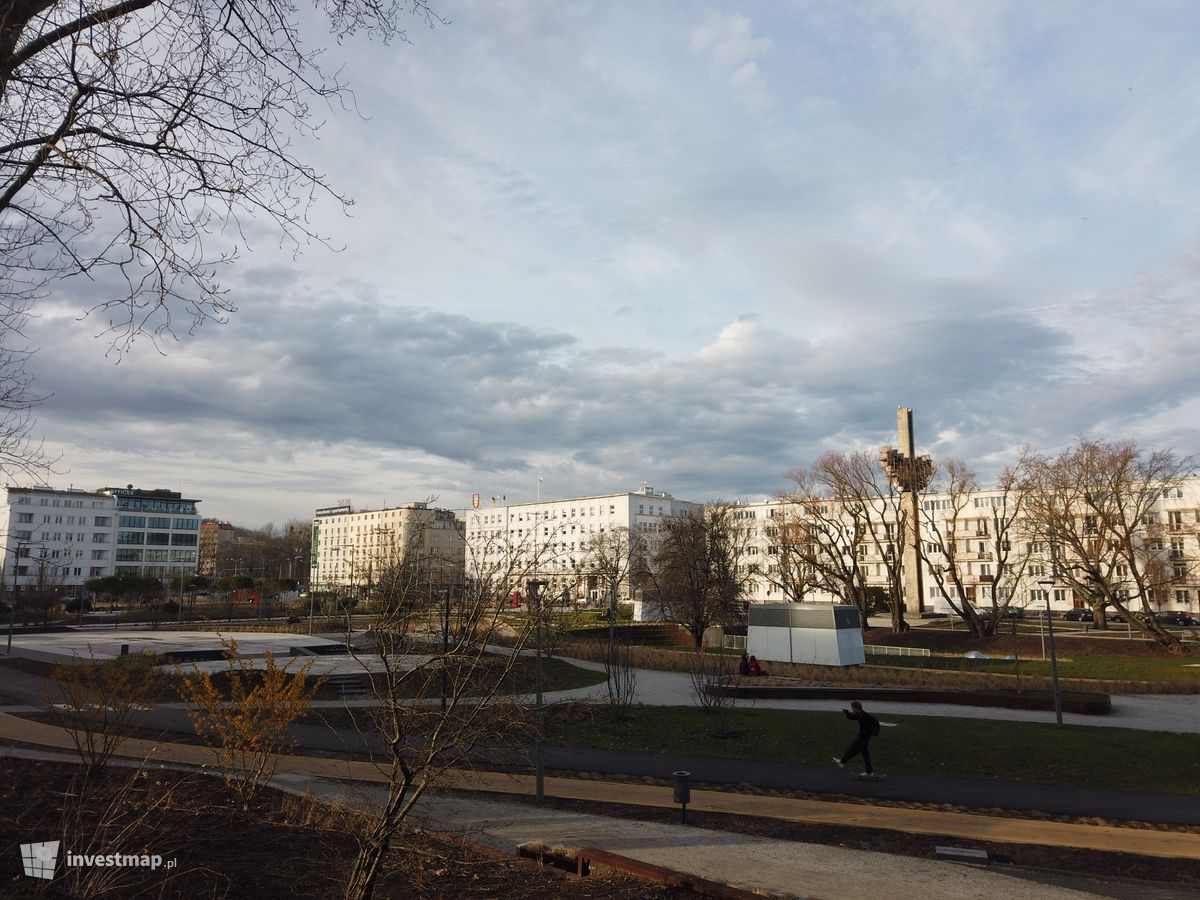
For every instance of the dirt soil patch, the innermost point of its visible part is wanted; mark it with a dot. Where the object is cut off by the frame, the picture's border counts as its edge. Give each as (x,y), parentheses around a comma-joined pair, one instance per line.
(283,847)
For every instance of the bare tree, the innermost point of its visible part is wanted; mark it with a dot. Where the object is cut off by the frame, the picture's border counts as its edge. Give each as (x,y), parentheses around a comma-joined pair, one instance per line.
(700,572)
(615,560)
(21,454)
(968,538)
(134,131)
(412,663)
(843,517)
(790,549)
(1093,511)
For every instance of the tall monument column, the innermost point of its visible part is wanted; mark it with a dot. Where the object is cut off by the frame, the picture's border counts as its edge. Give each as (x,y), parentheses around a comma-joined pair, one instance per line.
(910,474)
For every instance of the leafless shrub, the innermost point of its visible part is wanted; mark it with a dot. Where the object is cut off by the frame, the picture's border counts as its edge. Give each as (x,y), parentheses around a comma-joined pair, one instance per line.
(621,678)
(710,671)
(98,699)
(119,814)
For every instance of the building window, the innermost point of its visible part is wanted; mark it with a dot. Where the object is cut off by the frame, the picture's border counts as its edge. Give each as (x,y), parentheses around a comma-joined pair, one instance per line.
(131,537)
(127,555)
(183,540)
(158,522)
(132,522)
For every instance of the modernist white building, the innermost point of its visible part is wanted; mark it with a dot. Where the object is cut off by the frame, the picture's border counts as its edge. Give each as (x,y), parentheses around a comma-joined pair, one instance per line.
(550,539)
(58,539)
(350,547)
(1172,533)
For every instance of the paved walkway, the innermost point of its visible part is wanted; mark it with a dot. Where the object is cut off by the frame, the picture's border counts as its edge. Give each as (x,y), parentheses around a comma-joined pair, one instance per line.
(1147,712)
(964,825)
(777,867)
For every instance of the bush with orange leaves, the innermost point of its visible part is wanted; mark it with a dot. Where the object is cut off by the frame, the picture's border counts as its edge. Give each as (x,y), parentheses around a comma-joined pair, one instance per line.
(246,727)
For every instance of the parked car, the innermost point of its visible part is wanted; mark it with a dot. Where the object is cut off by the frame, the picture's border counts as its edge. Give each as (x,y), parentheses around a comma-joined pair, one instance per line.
(73,604)
(1115,617)
(1079,614)
(1178,618)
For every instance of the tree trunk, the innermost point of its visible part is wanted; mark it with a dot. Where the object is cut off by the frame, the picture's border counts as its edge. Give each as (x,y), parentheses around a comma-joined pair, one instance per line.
(376,842)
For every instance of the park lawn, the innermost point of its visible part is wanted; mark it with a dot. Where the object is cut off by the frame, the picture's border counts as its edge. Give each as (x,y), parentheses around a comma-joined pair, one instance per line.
(1114,668)
(1118,758)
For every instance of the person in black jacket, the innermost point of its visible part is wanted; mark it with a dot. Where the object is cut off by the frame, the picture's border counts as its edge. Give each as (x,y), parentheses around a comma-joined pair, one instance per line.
(868,726)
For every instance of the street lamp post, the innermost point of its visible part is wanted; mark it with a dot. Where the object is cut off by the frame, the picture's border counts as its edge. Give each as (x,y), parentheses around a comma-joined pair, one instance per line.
(533,589)
(1047,584)
(16,594)
(1016,652)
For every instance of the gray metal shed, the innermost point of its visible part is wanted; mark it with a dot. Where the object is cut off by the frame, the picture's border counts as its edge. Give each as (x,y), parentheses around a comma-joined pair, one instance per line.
(818,634)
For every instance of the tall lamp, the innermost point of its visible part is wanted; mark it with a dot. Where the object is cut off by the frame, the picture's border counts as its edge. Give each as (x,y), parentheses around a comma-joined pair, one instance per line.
(1047,584)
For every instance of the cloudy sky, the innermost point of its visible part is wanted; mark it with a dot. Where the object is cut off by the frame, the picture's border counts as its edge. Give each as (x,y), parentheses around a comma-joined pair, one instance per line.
(693,245)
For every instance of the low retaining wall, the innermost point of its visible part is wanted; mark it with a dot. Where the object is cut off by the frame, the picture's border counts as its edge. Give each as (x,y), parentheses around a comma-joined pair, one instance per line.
(883,676)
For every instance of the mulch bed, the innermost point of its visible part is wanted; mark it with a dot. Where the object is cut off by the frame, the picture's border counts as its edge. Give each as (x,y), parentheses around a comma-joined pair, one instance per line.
(283,847)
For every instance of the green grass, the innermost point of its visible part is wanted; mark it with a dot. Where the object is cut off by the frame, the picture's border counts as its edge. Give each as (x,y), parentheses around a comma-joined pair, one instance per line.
(1119,758)
(1116,668)
(521,679)
(556,676)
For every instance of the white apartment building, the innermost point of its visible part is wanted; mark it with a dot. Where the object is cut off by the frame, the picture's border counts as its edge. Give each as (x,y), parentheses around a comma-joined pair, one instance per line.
(1172,532)
(58,539)
(350,547)
(550,539)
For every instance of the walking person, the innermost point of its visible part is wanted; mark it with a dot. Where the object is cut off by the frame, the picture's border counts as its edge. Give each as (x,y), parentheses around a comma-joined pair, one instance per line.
(868,727)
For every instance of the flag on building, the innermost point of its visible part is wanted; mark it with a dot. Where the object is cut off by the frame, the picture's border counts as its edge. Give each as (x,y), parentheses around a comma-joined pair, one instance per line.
(474,501)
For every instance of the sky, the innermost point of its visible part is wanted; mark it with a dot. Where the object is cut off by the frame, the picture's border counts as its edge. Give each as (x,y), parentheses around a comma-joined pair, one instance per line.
(690,245)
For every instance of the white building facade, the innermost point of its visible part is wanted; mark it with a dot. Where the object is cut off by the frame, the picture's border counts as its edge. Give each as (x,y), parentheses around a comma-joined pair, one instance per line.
(350,547)
(551,540)
(1171,534)
(59,539)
